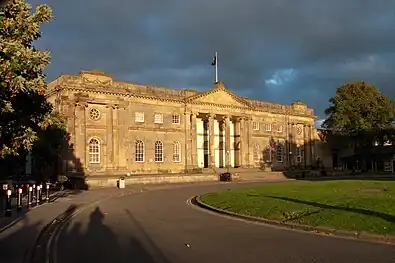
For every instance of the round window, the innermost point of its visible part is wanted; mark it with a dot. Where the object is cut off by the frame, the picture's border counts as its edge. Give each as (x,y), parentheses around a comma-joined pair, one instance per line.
(299,130)
(94,114)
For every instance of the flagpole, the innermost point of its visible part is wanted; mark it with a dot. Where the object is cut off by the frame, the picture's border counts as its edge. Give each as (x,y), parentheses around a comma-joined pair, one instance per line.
(216,67)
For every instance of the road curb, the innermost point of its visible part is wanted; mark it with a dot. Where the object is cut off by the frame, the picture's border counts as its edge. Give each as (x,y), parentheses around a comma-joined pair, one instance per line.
(309,229)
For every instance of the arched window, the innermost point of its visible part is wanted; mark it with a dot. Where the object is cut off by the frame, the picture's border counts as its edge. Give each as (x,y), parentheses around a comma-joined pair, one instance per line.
(94,151)
(158,151)
(279,154)
(139,151)
(256,153)
(176,152)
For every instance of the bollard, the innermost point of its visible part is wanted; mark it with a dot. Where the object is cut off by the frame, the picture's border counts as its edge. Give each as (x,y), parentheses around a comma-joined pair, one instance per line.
(29,197)
(26,192)
(41,193)
(37,195)
(19,199)
(3,197)
(34,193)
(8,205)
(47,193)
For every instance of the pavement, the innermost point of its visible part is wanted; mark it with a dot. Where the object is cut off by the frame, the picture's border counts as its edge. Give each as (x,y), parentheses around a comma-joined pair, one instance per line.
(6,222)
(155,224)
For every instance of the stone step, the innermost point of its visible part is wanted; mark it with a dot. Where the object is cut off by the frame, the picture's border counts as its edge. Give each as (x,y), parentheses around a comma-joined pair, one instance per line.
(237,170)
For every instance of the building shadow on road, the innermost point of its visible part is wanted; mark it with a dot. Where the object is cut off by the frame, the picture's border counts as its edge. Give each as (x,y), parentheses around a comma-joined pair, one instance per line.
(16,246)
(96,242)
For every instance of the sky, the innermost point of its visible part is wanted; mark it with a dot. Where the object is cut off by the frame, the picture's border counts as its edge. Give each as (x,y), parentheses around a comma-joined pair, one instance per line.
(272,50)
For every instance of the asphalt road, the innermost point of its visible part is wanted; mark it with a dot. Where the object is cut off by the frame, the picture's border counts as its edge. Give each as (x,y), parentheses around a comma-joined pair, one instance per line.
(159,226)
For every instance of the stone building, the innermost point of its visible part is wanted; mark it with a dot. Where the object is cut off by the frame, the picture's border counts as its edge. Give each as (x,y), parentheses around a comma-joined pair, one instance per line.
(118,127)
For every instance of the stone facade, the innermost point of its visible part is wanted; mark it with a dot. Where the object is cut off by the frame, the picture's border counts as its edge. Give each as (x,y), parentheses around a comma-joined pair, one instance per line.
(118,128)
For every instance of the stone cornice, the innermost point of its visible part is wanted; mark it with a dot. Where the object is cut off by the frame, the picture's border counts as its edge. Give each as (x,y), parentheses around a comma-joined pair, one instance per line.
(120,89)
(122,94)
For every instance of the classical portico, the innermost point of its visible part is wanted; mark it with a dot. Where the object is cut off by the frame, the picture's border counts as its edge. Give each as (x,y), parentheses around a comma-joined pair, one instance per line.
(218,140)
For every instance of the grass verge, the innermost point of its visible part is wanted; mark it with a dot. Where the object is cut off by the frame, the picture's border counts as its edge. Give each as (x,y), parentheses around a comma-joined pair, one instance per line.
(363,206)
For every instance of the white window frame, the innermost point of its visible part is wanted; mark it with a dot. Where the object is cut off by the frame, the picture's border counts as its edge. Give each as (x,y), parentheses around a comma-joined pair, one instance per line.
(158,152)
(139,151)
(279,153)
(255,126)
(139,117)
(158,118)
(256,153)
(268,127)
(94,151)
(176,118)
(176,152)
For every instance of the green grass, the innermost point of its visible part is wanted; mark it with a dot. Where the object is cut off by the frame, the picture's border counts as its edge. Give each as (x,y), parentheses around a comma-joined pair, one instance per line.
(355,205)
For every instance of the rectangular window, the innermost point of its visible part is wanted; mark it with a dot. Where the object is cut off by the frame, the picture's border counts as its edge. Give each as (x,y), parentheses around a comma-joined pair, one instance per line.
(176,152)
(298,154)
(268,127)
(139,151)
(139,117)
(158,118)
(176,118)
(158,151)
(255,126)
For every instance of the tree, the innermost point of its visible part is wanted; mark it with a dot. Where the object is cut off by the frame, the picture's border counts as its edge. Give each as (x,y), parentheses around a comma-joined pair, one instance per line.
(23,106)
(361,113)
(50,148)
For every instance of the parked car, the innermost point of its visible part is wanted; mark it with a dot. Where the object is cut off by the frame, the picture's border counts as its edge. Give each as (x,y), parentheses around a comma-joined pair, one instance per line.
(61,183)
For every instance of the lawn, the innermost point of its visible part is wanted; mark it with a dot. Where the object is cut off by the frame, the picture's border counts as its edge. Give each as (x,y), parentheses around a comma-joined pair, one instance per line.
(356,205)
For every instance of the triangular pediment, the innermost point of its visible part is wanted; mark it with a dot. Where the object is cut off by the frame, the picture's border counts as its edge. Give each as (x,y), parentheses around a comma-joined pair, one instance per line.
(220,97)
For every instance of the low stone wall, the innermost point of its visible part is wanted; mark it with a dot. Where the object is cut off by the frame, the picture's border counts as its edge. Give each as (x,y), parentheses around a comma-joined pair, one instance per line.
(96,182)
(262,175)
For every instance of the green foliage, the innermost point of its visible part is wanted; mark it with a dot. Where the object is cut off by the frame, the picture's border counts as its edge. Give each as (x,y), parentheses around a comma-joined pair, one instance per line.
(359,111)
(51,146)
(23,106)
(354,205)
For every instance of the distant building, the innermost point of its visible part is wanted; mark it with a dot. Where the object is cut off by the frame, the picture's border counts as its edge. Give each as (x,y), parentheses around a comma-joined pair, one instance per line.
(347,158)
(118,127)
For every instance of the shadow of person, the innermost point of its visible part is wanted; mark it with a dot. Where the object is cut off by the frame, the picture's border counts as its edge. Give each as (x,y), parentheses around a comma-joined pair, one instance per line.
(95,241)
(96,244)
(106,247)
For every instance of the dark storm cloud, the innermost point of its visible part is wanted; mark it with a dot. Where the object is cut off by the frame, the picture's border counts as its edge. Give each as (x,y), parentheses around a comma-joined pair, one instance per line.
(279,50)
